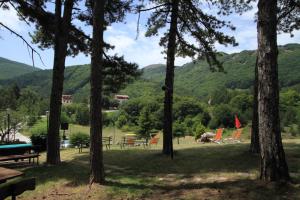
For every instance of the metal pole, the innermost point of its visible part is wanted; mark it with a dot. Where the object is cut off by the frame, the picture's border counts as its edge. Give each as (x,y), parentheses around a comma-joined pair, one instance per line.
(8,124)
(47,116)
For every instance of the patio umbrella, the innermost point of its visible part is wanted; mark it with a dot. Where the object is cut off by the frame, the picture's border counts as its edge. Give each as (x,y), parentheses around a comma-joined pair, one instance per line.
(237,122)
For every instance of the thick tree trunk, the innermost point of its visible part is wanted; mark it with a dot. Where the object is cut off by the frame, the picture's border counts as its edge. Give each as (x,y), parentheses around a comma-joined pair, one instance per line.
(273,163)
(169,83)
(60,53)
(254,146)
(96,152)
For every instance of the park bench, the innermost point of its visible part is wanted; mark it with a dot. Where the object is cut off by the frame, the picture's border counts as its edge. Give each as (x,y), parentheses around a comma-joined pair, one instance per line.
(18,152)
(15,188)
(28,156)
(107,142)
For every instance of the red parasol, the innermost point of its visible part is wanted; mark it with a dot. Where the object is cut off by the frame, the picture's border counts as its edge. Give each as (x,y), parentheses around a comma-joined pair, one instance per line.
(237,122)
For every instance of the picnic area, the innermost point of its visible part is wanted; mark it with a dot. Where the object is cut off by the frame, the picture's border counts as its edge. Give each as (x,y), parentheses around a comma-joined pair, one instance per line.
(199,171)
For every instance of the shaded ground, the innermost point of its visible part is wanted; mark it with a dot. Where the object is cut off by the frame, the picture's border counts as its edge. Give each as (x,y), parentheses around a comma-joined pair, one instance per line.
(209,171)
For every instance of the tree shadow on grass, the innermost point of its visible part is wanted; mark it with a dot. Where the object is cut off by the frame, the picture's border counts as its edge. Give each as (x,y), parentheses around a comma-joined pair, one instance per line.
(139,169)
(238,189)
(73,172)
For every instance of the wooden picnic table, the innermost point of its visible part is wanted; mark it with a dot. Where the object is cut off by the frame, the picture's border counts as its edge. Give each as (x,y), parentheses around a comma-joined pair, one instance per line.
(6,174)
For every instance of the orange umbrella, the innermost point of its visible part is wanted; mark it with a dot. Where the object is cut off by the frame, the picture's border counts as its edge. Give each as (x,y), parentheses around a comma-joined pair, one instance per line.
(237,122)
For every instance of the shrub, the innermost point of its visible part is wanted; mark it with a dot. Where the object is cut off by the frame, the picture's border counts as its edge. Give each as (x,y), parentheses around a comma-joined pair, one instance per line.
(224,115)
(64,118)
(179,129)
(83,115)
(79,139)
(200,129)
(294,130)
(39,135)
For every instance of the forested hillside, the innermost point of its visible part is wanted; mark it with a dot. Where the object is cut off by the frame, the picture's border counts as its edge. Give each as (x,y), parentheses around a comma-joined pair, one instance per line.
(196,79)
(10,69)
(192,79)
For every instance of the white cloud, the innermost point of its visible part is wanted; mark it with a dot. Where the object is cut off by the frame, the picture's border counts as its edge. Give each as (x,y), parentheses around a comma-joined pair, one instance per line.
(285,38)
(11,19)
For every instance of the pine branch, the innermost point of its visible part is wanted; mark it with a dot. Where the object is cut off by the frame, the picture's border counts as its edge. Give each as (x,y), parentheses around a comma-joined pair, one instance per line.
(285,14)
(27,44)
(153,8)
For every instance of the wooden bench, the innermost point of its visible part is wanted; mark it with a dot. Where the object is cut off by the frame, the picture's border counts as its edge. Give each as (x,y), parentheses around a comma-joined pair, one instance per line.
(28,156)
(18,152)
(16,188)
(107,141)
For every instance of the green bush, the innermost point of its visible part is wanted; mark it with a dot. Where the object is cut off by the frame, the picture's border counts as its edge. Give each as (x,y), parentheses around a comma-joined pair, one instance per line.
(64,118)
(179,129)
(224,115)
(200,129)
(83,115)
(39,135)
(79,139)
(294,130)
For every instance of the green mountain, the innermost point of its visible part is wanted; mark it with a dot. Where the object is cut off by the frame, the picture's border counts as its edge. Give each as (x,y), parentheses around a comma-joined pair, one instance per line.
(192,79)
(76,81)
(10,69)
(196,79)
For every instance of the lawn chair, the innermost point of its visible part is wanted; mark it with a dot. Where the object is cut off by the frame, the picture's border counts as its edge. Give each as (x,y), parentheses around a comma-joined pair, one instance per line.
(235,137)
(218,136)
(153,141)
(128,140)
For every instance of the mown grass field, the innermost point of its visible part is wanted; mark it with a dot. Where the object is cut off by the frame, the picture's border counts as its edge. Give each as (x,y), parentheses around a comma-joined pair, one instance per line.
(198,171)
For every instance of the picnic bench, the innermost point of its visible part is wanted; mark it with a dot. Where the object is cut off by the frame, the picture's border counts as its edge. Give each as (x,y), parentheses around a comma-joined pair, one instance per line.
(6,174)
(107,142)
(16,152)
(16,188)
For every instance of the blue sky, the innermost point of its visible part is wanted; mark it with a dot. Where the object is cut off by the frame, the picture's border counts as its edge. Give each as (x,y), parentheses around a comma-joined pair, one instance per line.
(144,51)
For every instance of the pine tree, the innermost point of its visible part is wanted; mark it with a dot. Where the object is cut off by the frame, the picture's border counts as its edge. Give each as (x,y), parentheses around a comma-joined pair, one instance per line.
(62,25)
(273,163)
(288,20)
(117,9)
(187,18)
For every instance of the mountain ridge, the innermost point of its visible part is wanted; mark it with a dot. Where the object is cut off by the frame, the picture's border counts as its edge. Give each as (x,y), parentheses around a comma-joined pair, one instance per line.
(10,69)
(192,79)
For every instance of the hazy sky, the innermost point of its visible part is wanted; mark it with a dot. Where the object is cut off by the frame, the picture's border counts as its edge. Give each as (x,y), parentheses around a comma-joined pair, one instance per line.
(144,51)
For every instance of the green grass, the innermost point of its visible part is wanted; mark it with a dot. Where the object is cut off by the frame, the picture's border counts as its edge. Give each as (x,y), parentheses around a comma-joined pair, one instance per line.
(199,171)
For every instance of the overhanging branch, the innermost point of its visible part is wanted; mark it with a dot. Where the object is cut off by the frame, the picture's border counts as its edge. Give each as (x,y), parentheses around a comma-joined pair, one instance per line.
(23,39)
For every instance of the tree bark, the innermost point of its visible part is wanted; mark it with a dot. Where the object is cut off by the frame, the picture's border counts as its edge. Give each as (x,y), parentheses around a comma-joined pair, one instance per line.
(169,83)
(60,53)
(273,163)
(254,146)
(96,151)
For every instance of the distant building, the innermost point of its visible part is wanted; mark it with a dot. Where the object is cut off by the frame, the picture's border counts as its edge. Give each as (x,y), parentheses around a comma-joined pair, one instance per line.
(66,99)
(121,98)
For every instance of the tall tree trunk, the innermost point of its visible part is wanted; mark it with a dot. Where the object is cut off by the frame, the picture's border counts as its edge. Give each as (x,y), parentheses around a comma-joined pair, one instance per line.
(254,146)
(273,163)
(96,151)
(60,53)
(169,83)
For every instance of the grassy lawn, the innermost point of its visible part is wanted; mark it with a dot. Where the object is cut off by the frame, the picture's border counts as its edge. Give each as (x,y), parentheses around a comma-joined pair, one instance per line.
(199,171)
